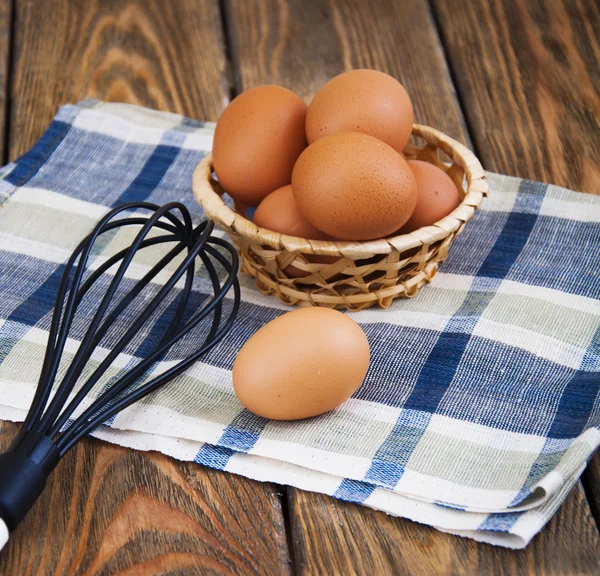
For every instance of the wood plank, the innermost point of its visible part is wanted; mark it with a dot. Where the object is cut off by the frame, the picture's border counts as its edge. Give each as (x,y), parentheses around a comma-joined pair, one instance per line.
(334,538)
(107,509)
(5,42)
(301,45)
(164,55)
(271,42)
(528,73)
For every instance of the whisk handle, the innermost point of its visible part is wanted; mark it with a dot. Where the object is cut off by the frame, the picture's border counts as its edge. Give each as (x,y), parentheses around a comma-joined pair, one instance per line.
(23,472)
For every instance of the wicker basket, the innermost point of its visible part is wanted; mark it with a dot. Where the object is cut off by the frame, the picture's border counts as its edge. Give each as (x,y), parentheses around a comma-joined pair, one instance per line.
(365,273)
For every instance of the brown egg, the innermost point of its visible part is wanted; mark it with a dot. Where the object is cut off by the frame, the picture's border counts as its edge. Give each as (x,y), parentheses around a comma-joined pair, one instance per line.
(257,140)
(364,101)
(279,212)
(301,364)
(437,195)
(354,187)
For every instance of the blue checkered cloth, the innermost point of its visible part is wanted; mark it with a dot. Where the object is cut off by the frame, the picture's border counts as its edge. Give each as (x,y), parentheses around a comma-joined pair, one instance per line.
(481,405)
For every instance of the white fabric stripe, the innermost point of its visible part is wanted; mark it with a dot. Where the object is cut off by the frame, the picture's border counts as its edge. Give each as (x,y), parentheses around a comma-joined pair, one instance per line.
(539,344)
(114,127)
(49,253)
(591,437)
(401,317)
(372,411)
(201,141)
(12,414)
(423,512)
(484,435)
(569,210)
(269,470)
(217,377)
(452,281)
(414,484)
(571,301)
(39,250)
(343,465)
(61,202)
(154,419)
(17,395)
(558,203)
(110,125)
(503,193)
(178,448)
(39,336)
(134,115)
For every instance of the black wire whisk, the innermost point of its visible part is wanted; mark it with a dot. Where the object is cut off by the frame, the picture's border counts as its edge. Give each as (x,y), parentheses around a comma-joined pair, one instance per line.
(52,426)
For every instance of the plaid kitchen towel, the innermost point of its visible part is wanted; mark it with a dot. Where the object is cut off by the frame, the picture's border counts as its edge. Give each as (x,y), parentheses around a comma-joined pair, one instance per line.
(481,405)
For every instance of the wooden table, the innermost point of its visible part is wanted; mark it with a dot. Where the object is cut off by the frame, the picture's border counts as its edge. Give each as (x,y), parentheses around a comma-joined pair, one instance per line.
(516,80)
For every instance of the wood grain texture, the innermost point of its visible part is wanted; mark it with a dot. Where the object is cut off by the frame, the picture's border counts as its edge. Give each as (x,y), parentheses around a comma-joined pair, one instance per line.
(109,510)
(165,55)
(334,538)
(301,44)
(5,42)
(528,72)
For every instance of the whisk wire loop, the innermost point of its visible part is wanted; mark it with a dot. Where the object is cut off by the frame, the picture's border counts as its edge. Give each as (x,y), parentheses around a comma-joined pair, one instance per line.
(52,427)
(83,250)
(84,426)
(85,349)
(135,327)
(50,416)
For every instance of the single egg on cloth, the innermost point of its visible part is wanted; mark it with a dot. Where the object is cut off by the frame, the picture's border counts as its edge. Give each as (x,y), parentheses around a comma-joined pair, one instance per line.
(437,195)
(279,212)
(257,140)
(301,364)
(366,101)
(354,187)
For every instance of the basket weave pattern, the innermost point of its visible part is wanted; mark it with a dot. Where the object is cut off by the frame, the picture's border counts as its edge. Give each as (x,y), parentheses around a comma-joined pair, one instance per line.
(364,273)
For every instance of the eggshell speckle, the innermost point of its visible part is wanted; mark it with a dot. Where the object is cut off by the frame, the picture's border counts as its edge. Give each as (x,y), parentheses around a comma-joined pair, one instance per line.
(257,140)
(301,364)
(354,187)
(437,195)
(366,101)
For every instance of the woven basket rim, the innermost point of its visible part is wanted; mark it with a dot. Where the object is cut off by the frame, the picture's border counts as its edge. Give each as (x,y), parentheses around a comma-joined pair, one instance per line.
(477,188)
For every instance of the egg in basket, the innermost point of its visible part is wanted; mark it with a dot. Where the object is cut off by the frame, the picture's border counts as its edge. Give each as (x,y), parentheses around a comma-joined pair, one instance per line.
(350,212)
